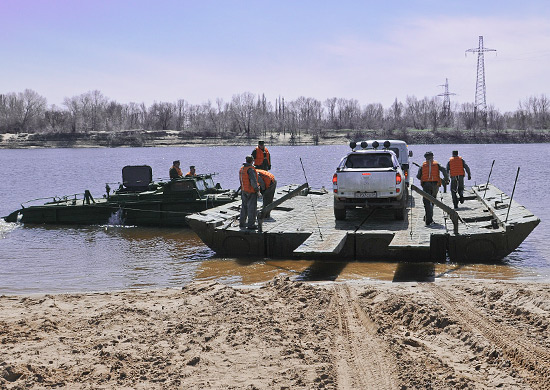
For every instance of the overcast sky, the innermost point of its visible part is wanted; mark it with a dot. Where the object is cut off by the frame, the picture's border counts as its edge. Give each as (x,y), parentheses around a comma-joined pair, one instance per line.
(373,51)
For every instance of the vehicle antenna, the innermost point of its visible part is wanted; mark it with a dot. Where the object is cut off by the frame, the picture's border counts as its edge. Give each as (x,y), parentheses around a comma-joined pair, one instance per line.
(312,206)
(512,197)
(491,171)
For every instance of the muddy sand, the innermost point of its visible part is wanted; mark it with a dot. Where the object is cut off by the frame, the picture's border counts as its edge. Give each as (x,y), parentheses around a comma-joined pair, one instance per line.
(451,334)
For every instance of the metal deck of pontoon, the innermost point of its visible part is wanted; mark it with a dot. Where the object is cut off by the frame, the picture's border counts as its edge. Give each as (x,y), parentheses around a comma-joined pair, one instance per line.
(304,227)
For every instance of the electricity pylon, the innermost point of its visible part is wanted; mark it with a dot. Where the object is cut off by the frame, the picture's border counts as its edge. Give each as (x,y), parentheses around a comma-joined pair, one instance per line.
(480,106)
(446,102)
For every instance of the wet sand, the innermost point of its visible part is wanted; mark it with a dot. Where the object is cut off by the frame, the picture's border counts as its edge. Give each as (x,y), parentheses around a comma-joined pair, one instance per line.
(447,334)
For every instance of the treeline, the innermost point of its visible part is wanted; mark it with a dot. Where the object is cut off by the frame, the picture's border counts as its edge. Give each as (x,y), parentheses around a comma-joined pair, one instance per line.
(253,115)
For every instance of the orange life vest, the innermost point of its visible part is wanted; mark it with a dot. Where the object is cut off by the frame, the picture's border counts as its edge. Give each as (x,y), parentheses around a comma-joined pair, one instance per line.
(456,166)
(435,172)
(245,181)
(267,177)
(259,159)
(178,170)
(188,174)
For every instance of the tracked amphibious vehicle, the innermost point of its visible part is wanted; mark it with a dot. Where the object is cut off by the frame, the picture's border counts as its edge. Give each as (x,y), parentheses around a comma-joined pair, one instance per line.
(138,201)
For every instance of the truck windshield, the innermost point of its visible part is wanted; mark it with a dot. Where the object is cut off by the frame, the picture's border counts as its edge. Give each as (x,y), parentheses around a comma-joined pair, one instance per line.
(371,160)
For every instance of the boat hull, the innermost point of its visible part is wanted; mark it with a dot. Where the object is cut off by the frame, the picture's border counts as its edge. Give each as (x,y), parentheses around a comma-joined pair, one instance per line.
(139,213)
(492,226)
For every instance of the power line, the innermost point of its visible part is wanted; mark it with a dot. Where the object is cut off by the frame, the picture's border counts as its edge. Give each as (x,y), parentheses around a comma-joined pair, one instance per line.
(480,106)
(446,99)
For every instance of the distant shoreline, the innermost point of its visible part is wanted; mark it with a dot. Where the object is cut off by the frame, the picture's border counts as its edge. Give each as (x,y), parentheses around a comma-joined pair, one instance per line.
(171,138)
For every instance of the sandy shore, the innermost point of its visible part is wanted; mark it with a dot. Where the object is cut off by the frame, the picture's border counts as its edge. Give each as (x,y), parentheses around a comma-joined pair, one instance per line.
(459,334)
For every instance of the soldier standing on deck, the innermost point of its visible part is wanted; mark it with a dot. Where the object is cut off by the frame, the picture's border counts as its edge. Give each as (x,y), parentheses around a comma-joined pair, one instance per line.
(249,194)
(457,167)
(262,159)
(428,174)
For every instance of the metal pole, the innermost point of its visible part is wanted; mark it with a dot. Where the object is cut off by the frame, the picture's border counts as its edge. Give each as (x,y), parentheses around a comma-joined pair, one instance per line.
(312,206)
(491,171)
(512,197)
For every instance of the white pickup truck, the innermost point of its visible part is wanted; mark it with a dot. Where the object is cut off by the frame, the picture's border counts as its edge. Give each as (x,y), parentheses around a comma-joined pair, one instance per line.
(372,177)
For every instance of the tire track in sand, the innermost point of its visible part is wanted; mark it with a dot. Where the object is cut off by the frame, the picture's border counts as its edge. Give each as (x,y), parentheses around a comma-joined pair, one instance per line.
(362,358)
(530,360)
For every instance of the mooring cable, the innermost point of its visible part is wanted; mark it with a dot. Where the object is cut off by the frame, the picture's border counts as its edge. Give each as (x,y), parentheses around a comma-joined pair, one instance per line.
(364,220)
(312,205)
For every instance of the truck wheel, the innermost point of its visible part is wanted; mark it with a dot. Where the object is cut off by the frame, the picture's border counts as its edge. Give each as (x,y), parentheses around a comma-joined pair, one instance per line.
(340,214)
(400,213)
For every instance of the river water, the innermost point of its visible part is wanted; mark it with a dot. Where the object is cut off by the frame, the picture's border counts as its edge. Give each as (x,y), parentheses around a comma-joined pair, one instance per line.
(44,259)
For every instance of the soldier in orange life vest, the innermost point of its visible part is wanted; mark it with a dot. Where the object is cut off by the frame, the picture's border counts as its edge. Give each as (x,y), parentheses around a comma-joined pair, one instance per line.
(456,168)
(248,178)
(268,184)
(262,159)
(428,174)
(191,172)
(175,171)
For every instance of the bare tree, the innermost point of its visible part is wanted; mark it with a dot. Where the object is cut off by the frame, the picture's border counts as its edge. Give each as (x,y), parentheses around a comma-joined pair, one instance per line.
(163,112)
(180,114)
(436,114)
(9,106)
(33,107)
(145,118)
(132,114)
(348,113)
(495,119)
(330,104)
(92,105)
(394,116)
(308,112)
(74,110)
(114,116)
(280,115)
(242,108)
(262,113)
(417,112)
(222,113)
(538,111)
(373,116)
(467,115)
(56,118)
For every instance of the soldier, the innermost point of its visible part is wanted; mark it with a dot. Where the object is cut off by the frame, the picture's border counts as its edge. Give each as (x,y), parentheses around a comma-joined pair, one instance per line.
(262,159)
(268,185)
(191,172)
(428,174)
(249,194)
(457,167)
(175,171)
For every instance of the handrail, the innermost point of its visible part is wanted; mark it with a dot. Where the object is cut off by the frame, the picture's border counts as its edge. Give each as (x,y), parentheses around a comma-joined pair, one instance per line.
(55,199)
(452,214)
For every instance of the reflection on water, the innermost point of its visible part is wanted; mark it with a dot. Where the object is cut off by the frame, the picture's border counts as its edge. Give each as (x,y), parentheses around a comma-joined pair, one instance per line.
(322,270)
(113,257)
(414,272)
(100,258)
